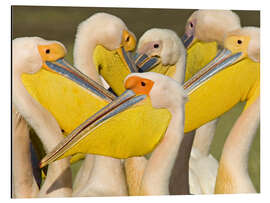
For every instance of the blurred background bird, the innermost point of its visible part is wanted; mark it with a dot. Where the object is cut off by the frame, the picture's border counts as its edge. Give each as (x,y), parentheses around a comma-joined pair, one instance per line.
(47,23)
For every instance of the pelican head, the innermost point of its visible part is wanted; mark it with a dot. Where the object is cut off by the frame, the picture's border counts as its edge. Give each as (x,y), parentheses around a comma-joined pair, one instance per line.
(209,25)
(30,53)
(166,51)
(162,90)
(245,40)
(103,41)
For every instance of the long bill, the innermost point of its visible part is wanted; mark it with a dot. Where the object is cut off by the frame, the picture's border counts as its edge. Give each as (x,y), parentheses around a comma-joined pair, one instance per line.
(65,69)
(223,59)
(121,103)
(127,59)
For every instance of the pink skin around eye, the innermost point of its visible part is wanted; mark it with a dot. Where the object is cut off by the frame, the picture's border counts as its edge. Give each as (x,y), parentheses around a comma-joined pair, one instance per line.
(147,48)
(190,29)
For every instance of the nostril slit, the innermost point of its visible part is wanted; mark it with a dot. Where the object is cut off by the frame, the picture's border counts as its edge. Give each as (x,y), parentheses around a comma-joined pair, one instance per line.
(47,51)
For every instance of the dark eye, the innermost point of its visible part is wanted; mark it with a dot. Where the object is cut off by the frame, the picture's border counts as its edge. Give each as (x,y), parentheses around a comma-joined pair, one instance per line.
(127,39)
(239,41)
(143,83)
(156,46)
(47,51)
(191,24)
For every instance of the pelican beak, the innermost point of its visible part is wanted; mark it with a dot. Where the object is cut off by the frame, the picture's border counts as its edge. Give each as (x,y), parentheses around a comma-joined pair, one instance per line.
(223,59)
(127,45)
(121,103)
(145,63)
(127,59)
(188,40)
(65,69)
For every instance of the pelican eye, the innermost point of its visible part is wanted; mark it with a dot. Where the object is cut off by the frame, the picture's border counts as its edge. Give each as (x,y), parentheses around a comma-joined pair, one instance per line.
(156,46)
(239,41)
(127,39)
(47,51)
(143,83)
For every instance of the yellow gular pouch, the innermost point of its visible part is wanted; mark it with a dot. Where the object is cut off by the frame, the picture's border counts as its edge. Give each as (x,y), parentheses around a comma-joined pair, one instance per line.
(69,103)
(133,132)
(168,70)
(225,89)
(110,65)
(199,55)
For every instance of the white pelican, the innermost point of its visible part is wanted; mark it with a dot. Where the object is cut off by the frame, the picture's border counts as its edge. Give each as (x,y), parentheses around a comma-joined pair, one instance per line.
(99,175)
(26,58)
(164,93)
(236,148)
(205,30)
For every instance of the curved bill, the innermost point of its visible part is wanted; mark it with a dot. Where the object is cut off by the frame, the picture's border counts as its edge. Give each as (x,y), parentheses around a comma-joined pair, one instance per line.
(224,59)
(121,103)
(65,69)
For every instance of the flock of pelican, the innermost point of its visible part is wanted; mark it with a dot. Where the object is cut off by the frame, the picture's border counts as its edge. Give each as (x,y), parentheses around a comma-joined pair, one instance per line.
(128,115)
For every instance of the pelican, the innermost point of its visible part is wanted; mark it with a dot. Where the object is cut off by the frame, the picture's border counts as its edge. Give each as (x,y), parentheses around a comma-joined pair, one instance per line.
(94,44)
(236,179)
(27,58)
(154,86)
(164,93)
(205,29)
(242,77)
(204,32)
